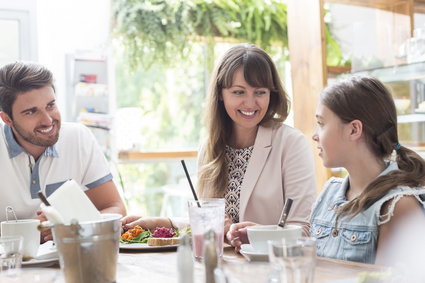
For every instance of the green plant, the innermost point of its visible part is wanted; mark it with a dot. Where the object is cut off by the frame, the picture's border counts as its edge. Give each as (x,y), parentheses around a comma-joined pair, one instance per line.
(159,30)
(152,30)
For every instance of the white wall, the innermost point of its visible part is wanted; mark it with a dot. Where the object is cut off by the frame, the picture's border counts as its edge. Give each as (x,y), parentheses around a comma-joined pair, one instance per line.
(65,26)
(29,29)
(58,27)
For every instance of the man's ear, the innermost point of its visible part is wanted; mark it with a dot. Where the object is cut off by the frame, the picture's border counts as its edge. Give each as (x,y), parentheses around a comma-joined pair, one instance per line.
(356,129)
(6,119)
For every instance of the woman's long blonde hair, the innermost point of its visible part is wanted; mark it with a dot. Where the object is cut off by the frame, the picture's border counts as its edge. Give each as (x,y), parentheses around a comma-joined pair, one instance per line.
(259,71)
(368,100)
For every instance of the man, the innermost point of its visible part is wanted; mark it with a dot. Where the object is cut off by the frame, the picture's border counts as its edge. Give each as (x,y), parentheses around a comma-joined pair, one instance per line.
(39,153)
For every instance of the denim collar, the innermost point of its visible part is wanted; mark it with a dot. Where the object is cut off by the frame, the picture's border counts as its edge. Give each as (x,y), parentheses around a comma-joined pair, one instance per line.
(15,149)
(340,194)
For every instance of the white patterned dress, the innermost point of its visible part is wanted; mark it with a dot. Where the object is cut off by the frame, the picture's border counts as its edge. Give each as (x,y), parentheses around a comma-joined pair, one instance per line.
(237,162)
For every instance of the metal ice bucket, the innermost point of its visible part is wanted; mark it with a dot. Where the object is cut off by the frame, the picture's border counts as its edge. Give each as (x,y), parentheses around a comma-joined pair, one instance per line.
(88,251)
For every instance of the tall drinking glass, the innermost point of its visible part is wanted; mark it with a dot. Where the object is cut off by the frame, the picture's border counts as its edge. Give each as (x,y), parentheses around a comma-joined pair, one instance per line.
(295,260)
(204,215)
(10,255)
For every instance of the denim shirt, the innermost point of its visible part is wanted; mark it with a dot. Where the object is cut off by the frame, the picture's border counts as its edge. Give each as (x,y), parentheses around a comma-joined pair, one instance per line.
(355,238)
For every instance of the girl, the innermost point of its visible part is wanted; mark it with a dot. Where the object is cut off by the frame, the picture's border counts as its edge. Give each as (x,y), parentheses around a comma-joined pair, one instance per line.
(354,217)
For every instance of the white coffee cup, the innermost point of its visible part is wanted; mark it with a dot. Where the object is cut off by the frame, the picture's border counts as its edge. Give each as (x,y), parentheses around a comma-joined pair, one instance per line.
(258,235)
(28,229)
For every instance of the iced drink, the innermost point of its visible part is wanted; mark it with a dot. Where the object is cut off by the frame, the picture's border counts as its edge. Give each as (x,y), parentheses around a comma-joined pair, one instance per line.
(210,215)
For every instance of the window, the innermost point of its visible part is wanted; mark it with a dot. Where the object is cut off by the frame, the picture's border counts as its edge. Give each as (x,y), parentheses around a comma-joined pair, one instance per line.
(15,32)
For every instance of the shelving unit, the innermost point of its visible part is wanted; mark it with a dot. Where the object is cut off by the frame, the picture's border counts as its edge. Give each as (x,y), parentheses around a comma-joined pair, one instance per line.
(89,99)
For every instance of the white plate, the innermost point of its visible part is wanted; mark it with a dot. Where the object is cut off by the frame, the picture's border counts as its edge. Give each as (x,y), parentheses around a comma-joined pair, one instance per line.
(47,255)
(146,247)
(253,255)
(40,262)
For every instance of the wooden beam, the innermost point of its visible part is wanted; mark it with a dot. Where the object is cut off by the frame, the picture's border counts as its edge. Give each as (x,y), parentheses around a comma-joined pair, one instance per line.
(338,69)
(308,68)
(419,7)
(403,10)
(140,156)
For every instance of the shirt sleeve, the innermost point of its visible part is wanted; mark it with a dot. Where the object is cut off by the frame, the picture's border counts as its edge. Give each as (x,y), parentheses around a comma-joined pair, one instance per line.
(96,168)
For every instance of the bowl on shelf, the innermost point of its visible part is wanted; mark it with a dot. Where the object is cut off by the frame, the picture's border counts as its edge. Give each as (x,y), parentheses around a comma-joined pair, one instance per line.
(402,105)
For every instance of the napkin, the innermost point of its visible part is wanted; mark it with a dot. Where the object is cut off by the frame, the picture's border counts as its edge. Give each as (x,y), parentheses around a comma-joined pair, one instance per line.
(52,214)
(47,251)
(71,202)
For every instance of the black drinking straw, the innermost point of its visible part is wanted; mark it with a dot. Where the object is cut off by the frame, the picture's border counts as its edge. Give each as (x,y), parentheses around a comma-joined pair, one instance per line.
(190,183)
(43,199)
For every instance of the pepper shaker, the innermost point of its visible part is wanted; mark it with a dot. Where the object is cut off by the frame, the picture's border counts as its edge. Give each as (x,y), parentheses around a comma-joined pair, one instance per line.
(185,260)
(210,256)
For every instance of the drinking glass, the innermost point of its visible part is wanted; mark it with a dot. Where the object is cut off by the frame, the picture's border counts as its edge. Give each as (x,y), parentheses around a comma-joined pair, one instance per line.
(204,215)
(10,255)
(296,260)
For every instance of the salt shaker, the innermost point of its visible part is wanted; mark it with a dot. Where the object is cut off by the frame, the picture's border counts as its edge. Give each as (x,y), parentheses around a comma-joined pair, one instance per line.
(185,260)
(210,256)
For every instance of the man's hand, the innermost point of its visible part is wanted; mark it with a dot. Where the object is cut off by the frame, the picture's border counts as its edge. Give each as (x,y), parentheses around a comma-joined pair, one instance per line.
(45,235)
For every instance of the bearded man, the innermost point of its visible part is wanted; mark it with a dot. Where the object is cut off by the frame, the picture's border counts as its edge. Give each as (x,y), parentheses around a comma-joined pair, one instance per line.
(38,153)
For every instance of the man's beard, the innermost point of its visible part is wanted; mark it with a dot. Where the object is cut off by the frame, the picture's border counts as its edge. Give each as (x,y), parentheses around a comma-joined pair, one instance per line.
(33,139)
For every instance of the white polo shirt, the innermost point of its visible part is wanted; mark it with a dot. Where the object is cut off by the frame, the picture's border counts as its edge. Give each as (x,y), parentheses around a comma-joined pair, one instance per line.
(76,156)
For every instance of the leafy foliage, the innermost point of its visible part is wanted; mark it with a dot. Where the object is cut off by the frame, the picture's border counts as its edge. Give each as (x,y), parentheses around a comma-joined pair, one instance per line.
(152,30)
(159,30)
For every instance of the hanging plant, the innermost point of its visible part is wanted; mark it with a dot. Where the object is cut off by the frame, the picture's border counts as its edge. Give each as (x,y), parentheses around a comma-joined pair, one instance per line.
(159,30)
(152,30)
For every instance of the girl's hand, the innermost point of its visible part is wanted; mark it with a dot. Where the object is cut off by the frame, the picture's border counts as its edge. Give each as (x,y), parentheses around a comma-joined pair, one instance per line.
(237,234)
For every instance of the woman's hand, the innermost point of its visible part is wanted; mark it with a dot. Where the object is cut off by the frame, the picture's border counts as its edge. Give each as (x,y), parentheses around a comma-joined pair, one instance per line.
(227,223)
(237,234)
(149,223)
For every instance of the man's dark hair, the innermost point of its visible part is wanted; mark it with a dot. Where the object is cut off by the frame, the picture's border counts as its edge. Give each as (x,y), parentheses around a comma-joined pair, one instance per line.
(19,77)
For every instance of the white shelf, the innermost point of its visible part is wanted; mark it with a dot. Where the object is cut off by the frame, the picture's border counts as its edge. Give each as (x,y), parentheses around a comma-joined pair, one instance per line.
(411,118)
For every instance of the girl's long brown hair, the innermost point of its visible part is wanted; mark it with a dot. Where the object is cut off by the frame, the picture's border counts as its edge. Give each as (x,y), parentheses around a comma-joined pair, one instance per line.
(368,100)
(259,71)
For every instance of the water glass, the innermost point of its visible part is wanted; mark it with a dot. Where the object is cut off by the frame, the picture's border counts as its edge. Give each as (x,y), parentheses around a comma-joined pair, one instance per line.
(204,215)
(10,255)
(296,260)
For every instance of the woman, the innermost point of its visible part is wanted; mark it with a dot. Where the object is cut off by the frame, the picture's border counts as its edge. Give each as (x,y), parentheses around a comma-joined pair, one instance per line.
(250,157)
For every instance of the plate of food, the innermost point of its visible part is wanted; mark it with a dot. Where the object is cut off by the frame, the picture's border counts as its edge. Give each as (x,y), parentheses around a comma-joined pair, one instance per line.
(138,238)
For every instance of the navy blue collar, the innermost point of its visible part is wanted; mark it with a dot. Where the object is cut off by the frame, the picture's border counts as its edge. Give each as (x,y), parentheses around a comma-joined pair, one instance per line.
(15,149)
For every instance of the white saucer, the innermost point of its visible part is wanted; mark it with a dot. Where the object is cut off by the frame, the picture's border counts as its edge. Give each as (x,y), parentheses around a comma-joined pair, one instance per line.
(253,255)
(40,262)
(47,255)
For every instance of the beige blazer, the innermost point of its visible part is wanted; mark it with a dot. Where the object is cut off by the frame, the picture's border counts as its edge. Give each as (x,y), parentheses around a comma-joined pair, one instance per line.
(281,166)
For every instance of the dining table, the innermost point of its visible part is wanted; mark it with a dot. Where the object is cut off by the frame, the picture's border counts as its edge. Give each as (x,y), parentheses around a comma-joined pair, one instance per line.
(161,266)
